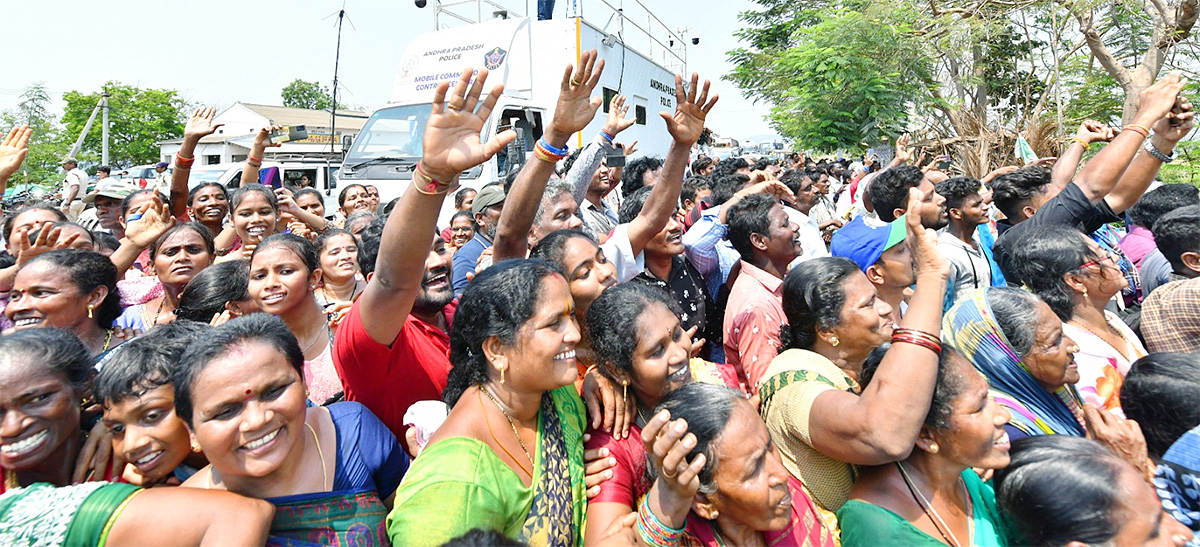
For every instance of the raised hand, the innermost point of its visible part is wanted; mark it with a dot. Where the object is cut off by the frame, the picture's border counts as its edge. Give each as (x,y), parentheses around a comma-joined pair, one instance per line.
(631,149)
(1186,122)
(668,443)
(451,142)
(201,123)
(47,239)
(923,241)
(576,107)
(617,122)
(262,139)
(1156,101)
(146,223)
(1094,131)
(13,150)
(903,152)
(686,124)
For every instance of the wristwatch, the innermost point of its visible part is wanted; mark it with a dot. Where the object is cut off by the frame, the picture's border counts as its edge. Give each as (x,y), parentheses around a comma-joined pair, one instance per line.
(1158,154)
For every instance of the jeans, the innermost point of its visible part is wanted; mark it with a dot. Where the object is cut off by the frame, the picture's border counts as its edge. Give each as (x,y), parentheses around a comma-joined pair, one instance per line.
(545,9)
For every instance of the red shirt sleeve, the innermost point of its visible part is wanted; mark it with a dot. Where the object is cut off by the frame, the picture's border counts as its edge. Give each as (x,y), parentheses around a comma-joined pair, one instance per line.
(629,476)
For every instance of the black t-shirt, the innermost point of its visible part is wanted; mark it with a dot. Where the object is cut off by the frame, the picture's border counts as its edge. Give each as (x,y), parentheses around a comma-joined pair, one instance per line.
(687,286)
(1069,208)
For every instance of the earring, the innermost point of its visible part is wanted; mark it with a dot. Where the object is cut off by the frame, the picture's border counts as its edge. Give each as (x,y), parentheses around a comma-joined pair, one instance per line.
(195,447)
(625,390)
(91,311)
(1085,293)
(834,341)
(502,369)
(933,448)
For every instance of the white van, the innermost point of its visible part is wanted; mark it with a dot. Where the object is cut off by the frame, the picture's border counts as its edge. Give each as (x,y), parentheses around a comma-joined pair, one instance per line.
(321,173)
(528,57)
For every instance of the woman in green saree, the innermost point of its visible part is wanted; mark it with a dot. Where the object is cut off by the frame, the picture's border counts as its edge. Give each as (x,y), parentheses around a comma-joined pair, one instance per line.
(933,497)
(510,455)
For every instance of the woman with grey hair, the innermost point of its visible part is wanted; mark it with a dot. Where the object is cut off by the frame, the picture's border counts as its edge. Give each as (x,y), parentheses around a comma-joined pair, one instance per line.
(719,480)
(1017,342)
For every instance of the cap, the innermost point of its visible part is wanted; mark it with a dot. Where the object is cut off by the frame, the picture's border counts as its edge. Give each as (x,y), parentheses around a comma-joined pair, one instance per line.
(865,242)
(67,160)
(489,196)
(161,164)
(115,190)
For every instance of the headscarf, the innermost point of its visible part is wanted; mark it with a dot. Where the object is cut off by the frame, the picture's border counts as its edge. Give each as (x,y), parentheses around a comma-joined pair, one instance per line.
(971,328)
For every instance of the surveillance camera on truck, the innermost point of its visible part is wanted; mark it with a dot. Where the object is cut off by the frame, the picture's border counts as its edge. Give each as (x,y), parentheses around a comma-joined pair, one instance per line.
(528,57)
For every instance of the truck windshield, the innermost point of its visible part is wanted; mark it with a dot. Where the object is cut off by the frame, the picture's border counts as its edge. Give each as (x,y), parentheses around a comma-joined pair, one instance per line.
(391,132)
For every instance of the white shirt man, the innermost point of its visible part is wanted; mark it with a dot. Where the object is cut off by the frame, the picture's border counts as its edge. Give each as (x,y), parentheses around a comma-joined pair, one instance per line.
(74,185)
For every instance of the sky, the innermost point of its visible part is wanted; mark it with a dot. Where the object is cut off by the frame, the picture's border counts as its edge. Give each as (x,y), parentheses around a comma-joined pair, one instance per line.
(221,51)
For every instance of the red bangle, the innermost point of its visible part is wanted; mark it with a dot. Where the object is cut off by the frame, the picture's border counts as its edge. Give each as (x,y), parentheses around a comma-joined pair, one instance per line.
(252,158)
(906,339)
(184,162)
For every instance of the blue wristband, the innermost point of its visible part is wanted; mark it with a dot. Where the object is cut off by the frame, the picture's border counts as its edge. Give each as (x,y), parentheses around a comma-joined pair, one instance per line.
(556,151)
(133,218)
(606,136)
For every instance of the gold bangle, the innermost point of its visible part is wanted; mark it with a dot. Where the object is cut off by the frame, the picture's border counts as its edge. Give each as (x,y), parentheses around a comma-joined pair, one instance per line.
(426,185)
(1086,145)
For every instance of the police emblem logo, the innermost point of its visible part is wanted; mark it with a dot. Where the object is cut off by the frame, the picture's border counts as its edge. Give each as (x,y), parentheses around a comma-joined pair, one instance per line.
(494,58)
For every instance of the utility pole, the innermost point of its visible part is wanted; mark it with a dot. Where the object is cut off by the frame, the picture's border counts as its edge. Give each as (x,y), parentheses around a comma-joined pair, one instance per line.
(104,138)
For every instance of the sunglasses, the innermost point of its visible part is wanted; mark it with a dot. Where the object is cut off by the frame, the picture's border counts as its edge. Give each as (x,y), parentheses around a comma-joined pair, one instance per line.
(1100,261)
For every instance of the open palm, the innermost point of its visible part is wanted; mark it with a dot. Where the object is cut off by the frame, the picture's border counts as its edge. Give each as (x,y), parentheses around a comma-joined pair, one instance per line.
(452,144)
(201,123)
(686,124)
(13,150)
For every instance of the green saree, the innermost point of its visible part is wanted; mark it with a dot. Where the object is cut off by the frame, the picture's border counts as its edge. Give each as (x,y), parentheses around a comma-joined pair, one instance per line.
(45,515)
(459,484)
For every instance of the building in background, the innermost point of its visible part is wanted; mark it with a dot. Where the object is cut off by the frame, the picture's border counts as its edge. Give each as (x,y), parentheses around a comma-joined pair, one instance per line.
(231,143)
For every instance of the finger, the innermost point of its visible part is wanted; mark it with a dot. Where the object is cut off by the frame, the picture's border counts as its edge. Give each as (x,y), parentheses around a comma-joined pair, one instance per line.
(595,479)
(565,85)
(711,103)
(692,471)
(497,143)
(66,243)
(475,92)
(691,333)
(693,87)
(595,78)
(490,102)
(652,428)
(609,410)
(668,437)
(703,93)
(587,62)
(460,90)
(621,424)
(439,98)
(680,96)
(677,454)
(593,408)
(592,455)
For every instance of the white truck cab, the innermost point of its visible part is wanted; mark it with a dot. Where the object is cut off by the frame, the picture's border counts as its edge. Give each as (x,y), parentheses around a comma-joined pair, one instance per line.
(528,57)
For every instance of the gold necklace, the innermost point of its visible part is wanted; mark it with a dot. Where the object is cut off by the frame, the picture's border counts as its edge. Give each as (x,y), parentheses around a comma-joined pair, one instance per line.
(1111,330)
(107,340)
(10,480)
(927,507)
(511,423)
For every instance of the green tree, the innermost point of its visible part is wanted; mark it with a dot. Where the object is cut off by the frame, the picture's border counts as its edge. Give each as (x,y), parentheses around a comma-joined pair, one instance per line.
(138,120)
(308,95)
(846,81)
(42,164)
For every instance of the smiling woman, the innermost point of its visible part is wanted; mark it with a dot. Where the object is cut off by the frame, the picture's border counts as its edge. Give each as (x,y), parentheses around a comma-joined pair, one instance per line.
(328,470)
(70,289)
(513,350)
(177,256)
(284,276)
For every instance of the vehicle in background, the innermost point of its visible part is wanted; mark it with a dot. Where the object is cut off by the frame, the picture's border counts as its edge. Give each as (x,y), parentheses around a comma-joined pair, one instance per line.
(141,175)
(509,47)
(289,171)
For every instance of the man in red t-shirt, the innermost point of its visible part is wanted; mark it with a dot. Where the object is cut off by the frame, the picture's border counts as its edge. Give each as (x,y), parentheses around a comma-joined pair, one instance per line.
(393,349)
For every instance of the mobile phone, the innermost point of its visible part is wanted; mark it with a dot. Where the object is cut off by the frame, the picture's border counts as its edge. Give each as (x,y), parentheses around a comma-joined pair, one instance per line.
(615,158)
(288,134)
(1177,110)
(943,163)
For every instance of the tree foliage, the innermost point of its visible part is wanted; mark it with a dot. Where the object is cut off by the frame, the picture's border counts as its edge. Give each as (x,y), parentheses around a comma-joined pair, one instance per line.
(307,95)
(45,152)
(845,81)
(138,120)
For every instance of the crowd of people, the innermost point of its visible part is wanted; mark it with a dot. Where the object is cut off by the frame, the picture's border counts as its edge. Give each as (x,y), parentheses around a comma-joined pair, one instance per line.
(667,351)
